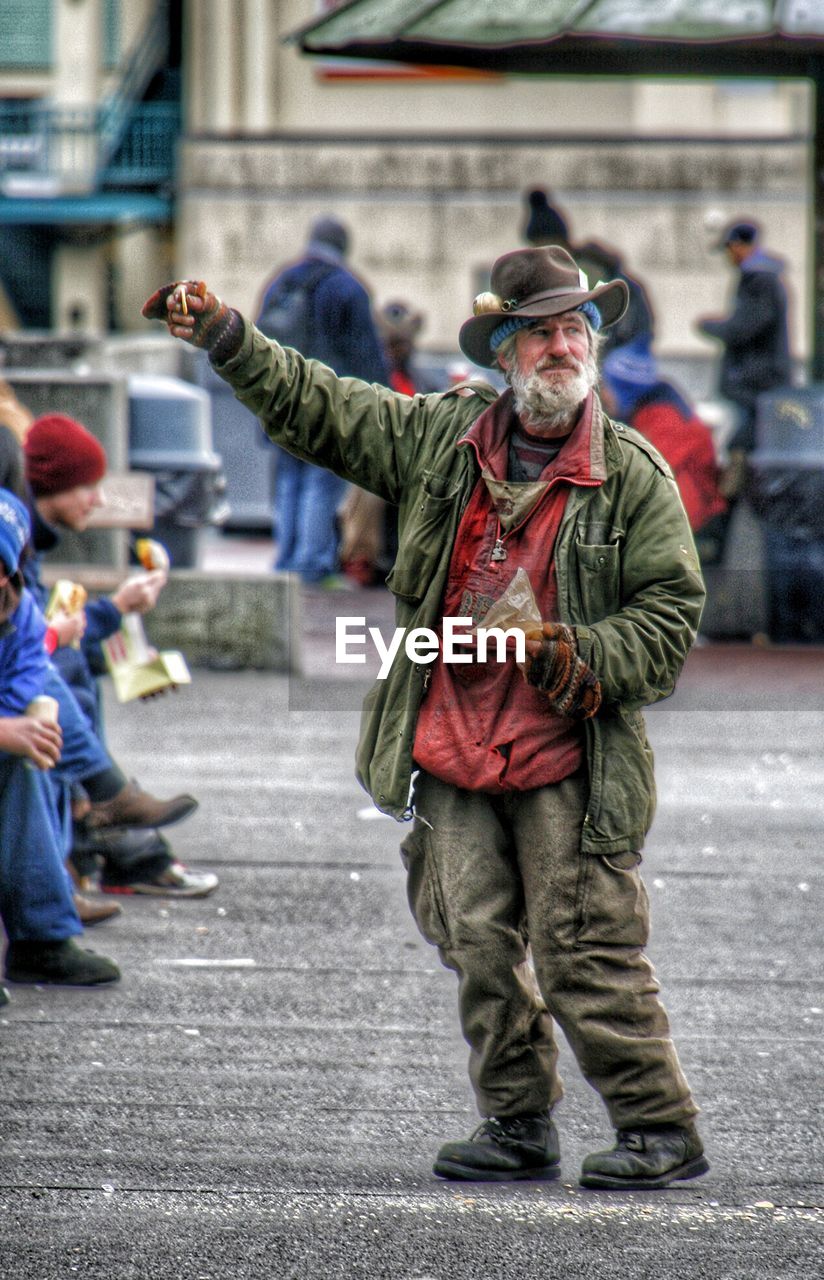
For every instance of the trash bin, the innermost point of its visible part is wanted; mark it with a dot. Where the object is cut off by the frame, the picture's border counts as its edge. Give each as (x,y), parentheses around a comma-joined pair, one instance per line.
(170,435)
(786,491)
(248,457)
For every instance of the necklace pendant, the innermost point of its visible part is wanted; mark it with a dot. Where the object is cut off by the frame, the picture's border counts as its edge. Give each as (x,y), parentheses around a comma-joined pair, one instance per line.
(498,551)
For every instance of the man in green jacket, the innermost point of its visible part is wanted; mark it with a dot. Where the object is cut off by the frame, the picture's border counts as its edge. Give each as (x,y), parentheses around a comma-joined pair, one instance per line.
(530,781)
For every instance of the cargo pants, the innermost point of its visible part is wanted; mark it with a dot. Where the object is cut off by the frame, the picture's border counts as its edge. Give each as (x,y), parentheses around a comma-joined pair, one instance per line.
(490,877)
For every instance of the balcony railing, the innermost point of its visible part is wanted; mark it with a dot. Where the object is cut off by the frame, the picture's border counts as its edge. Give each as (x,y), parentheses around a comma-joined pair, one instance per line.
(54,150)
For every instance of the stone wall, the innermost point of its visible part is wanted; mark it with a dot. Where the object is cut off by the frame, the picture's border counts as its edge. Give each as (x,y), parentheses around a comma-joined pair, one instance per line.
(249,621)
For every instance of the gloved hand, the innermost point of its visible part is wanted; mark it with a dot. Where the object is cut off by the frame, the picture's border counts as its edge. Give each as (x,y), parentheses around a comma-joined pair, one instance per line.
(195,314)
(553,665)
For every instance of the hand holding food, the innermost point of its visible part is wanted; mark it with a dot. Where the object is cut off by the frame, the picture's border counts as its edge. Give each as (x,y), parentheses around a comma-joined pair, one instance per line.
(193,313)
(139,593)
(65,613)
(37,740)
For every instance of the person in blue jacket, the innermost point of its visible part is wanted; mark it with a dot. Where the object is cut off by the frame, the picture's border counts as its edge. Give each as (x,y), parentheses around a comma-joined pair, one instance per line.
(335,325)
(64,465)
(36,904)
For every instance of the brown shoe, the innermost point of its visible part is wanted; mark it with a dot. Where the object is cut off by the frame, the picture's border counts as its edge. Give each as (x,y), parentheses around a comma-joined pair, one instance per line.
(92,913)
(132,807)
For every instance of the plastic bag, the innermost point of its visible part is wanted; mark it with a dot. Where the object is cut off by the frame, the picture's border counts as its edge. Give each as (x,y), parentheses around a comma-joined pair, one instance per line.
(517,607)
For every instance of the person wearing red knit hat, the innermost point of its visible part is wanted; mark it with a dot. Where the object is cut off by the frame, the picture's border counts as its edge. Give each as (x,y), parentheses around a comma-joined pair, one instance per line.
(65,467)
(62,455)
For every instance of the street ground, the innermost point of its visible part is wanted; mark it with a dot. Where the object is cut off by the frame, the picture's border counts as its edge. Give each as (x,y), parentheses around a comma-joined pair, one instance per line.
(264,1091)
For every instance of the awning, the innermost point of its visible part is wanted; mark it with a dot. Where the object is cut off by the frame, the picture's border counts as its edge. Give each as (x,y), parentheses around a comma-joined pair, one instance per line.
(711,38)
(610,37)
(109,208)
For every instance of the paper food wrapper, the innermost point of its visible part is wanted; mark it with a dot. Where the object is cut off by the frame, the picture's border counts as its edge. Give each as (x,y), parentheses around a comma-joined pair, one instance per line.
(137,670)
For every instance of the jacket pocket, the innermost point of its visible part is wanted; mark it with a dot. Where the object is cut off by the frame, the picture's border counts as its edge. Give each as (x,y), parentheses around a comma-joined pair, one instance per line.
(599,579)
(422,536)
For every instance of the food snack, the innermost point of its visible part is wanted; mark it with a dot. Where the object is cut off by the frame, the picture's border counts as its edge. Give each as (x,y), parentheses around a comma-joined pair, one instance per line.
(66,597)
(44,708)
(151,554)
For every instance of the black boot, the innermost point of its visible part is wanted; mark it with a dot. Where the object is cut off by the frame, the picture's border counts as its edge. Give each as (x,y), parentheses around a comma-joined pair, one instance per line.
(646,1159)
(58,962)
(504,1149)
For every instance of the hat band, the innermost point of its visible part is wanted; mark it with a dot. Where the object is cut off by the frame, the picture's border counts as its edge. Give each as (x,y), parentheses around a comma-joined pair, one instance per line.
(565,292)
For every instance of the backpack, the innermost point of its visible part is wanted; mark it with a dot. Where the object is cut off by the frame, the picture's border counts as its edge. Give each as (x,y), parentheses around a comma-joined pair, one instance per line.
(286,315)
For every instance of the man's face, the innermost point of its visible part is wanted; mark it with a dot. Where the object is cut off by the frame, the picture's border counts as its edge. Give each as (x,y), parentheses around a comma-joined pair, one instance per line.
(738,252)
(551,371)
(73,507)
(555,347)
(398,349)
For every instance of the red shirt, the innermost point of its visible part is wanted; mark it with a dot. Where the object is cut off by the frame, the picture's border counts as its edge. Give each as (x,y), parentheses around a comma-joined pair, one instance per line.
(482,727)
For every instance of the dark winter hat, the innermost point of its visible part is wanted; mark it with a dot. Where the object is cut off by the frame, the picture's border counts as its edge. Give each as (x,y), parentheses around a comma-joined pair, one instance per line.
(738,233)
(527,285)
(545,224)
(15,530)
(398,320)
(61,454)
(331,232)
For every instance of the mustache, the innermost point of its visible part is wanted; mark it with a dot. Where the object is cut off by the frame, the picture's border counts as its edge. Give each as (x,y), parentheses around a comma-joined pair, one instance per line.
(559,362)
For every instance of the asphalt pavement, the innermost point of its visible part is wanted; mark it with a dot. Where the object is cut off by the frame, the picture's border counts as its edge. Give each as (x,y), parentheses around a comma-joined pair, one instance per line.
(263,1093)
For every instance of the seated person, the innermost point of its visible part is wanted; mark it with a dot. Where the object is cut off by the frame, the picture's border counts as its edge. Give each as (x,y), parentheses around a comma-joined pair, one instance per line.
(65,465)
(36,906)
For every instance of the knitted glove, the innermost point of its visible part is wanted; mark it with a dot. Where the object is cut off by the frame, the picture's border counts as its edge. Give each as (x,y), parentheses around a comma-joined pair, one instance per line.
(573,689)
(195,314)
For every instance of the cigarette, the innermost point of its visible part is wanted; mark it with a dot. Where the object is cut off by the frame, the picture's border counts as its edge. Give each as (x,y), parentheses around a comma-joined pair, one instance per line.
(180,294)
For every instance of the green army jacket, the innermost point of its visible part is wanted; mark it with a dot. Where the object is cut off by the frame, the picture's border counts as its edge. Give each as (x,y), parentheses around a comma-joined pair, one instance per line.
(627,572)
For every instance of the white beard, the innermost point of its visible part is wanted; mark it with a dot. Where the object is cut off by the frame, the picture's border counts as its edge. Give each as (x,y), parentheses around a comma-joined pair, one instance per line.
(552,402)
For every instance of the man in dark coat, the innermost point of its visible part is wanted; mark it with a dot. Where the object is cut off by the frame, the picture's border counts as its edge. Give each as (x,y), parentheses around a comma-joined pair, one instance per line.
(337,327)
(754,335)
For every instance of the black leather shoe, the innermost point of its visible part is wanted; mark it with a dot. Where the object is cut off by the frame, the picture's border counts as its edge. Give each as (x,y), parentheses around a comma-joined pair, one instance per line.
(60,962)
(645,1160)
(504,1149)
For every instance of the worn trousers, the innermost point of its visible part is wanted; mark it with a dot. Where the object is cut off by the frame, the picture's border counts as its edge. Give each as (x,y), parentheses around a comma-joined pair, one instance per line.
(539,932)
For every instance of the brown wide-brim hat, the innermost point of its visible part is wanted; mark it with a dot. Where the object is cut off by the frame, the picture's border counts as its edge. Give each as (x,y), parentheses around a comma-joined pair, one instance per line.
(531,283)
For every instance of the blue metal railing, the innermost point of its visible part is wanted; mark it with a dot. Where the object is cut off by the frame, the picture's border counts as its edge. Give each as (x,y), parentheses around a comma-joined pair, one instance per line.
(145,155)
(148,53)
(71,147)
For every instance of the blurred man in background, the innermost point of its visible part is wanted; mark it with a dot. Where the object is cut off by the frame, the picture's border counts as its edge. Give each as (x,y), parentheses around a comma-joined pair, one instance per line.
(318,306)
